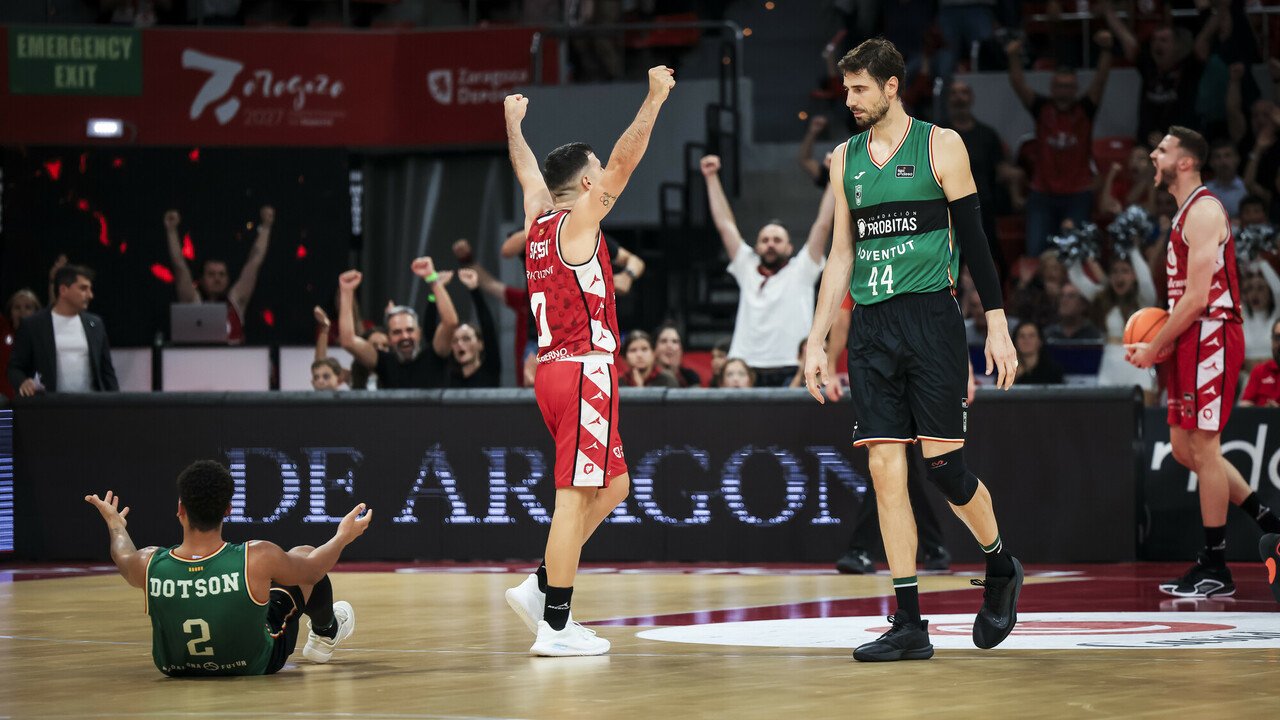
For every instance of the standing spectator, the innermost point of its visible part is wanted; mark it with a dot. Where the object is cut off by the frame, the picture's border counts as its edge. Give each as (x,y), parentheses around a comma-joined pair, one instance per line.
(215,284)
(1261,288)
(963,23)
(20,305)
(670,353)
(1226,185)
(1262,170)
(1037,285)
(1129,286)
(1128,184)
(326,374)
(1073,319)
(472,365)
(1263,389)
(1035,366)
(775,283)
(737,374)
(1170,75)
(407,364)
(989,162)
(719,356)
(323,328)
(1062,179)
(63,348)
(642,371)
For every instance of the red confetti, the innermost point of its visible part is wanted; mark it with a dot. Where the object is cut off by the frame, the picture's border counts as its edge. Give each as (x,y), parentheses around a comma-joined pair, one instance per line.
(117,163)
(162,273)
(194,155)
(302,251)
(54,168)
(124,247)
(103,236)
(83,204)
(269,318)
(188,249)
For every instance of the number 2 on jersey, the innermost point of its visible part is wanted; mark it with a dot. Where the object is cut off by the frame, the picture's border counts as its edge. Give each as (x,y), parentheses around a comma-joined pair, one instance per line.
(886,279)
(189,627)
(539,302)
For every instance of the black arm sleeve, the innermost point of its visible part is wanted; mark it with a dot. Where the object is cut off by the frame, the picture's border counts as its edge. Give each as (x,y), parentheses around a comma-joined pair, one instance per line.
(966,221)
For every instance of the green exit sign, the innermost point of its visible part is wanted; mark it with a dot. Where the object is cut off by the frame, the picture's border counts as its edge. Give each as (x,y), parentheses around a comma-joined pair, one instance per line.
(75,61)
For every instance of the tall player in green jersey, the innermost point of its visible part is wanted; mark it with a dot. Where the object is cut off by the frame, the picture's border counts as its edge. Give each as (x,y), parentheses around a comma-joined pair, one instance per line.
(219,608)
(906,213)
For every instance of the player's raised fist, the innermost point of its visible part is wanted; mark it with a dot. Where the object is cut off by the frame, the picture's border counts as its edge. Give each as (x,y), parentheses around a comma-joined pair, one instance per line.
(515,106)
(710,165)
(661,80)
(350,280)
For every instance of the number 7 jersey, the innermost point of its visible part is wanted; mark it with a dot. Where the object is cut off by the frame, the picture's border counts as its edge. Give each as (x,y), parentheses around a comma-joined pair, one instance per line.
(573,306)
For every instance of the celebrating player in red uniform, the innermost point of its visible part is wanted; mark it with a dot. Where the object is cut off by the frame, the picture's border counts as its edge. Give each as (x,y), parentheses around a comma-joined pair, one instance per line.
(572,299)
(1201,349)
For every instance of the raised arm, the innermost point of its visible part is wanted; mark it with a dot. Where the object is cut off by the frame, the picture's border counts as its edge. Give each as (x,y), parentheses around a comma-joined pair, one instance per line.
(834,285)
(1204,38)
(1262,143)
(1237,125)
(442,338)
(1088,287)
(808,163)
(1269,275)
(514,244)
(1017,78)
(130,562)
(721,212)
(322,332)
(1128,43)
(820,231)
(1104,41)
(582,227)
(182,281)
(274,564)
(360,349)
(1146,281)
(537,198)
(242,291)
(492,361)
(956,178)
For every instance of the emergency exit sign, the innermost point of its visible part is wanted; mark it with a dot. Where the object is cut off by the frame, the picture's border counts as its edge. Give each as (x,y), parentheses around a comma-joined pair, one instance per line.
(75,61)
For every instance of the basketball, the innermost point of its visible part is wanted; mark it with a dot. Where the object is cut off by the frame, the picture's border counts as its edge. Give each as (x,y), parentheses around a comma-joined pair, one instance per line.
(1144,324)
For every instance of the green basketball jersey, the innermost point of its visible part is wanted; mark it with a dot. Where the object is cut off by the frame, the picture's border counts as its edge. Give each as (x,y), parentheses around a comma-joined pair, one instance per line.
(898,212)
(203,619)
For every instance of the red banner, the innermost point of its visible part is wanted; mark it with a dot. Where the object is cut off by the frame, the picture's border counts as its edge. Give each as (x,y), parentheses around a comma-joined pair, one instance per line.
(252,87)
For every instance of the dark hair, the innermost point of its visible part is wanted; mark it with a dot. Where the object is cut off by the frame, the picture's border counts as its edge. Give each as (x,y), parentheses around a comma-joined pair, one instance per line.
(635,336)
(205,489)
(879,58)
(722,345)
(331,363)
(1252,200)
(1064,69)
(68,274)
(564,165)
(1192,143)
(668,326)
(205,263)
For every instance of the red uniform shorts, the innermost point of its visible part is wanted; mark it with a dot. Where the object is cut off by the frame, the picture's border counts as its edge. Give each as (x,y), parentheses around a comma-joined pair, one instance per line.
(579,403)
(1202,375)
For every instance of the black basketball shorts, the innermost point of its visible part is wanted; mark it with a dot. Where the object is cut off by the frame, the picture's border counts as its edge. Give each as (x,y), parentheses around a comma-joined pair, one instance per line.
(909,369)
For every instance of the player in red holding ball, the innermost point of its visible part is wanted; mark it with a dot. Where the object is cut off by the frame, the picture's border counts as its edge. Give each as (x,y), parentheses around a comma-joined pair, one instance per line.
(1201,351)
(572,298)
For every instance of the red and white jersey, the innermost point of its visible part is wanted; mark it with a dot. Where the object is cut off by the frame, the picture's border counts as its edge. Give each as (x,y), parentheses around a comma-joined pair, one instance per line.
(573,306)
(1224,288)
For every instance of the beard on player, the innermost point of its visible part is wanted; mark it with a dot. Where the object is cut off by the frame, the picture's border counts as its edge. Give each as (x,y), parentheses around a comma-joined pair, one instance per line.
(872,115)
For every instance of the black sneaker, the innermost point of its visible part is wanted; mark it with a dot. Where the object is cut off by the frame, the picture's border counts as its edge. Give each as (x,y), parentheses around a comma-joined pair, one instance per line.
(856,562)
(904,641)
(999,611)
(936,558)
(1201,581)
(1269,549)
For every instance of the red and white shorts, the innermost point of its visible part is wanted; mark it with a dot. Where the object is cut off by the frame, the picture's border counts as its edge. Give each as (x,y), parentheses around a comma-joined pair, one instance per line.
(1202,375)
(579,403)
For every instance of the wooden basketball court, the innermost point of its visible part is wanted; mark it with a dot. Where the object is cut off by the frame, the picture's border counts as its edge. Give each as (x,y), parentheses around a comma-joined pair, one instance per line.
(440,642)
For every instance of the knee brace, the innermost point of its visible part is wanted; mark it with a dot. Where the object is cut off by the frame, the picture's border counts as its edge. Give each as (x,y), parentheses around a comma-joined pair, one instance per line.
(951,477)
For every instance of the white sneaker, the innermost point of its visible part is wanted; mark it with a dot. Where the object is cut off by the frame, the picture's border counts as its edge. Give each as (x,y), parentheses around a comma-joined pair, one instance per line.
(319,649)
(527,600)
(573,640)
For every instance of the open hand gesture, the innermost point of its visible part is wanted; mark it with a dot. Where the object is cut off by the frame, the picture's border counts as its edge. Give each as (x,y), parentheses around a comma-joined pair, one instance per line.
(109,508)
